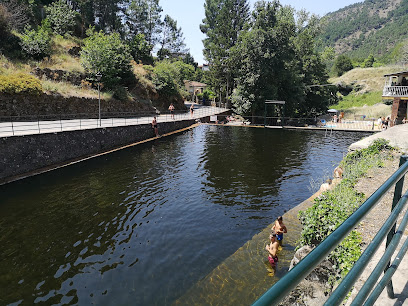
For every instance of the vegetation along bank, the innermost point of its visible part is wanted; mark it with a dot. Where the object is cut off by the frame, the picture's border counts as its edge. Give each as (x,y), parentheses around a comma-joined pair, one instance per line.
(333,207)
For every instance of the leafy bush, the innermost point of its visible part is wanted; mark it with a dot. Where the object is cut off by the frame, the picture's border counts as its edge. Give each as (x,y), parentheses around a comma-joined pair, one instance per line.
(20,83)
(342,64)
(165,78)
(108,55)
(140,49)
(37,43)
(169,77)
(61,17)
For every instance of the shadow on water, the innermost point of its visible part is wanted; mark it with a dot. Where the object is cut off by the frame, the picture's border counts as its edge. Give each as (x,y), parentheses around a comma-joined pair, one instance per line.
(143,224)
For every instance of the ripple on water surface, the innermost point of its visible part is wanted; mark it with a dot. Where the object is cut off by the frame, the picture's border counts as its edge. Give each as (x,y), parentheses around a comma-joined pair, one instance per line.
(146,223)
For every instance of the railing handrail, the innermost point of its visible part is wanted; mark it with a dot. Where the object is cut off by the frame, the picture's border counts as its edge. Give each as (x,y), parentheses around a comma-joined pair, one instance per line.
(395,91)
(46,124)
(287,283)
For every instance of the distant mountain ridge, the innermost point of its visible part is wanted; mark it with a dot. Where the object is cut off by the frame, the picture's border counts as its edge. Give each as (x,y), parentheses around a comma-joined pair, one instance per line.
(378,27)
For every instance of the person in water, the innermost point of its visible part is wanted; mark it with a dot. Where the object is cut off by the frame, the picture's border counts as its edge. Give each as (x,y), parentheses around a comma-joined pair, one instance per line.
(279,228)
(272,248)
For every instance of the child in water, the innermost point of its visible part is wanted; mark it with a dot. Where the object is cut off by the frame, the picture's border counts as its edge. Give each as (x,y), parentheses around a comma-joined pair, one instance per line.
(272,248)
(279,228)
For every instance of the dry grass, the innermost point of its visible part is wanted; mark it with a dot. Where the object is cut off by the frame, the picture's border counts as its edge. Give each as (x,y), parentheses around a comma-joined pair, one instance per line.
(69,90)
(60,58)
(370,79)
(142,75)
(374,111)
(8,67)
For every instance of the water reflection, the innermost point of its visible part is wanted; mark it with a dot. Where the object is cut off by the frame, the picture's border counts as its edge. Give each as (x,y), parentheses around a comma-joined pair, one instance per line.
(144,224)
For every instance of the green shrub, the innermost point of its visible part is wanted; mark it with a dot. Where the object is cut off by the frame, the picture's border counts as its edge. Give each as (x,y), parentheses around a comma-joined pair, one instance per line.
(140,49)
(332,208)
(20,83)
(37,43)
(108,55)
(165,78)
(342,64)
(61,17)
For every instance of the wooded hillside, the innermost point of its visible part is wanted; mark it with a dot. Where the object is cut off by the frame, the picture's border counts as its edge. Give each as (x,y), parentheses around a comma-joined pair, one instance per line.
(377,27)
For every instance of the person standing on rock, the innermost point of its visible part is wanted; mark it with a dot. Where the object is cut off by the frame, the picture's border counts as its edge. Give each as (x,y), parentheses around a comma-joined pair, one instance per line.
(272,248)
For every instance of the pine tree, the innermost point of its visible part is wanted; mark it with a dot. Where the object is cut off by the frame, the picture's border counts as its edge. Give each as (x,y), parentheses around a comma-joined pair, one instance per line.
(172,40)
(143,17)
(224,21)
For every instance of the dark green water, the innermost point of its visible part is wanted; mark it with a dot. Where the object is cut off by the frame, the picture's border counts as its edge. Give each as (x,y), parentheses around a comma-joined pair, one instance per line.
(142,225)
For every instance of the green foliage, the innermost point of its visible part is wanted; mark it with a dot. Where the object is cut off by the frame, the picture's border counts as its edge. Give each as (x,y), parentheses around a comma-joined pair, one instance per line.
(342,64)
(143,17)
(61,17)
(172,40)
(168,77)
(140,49)
(20,83)
(333,207)
(358,100)
(224,22)
(377,35)
(37,43)
(108,55)
(369,61)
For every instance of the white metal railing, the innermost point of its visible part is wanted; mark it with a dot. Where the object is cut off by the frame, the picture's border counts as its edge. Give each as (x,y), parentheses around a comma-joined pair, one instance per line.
(395,91)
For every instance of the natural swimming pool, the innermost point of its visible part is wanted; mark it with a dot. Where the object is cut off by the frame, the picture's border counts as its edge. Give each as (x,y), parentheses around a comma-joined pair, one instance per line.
(142,225)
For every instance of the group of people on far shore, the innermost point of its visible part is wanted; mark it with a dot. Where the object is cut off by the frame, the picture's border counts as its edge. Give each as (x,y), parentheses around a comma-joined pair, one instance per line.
(276,238)
(383,123)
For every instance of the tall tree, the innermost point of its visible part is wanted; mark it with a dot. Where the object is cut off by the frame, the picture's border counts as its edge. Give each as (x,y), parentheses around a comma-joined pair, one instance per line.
(267,60)
(314,97)
(108,15)
(143,17)
(224,21)
(172,40)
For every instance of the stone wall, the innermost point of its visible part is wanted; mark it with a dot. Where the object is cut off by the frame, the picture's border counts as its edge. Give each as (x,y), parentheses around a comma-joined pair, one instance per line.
(26,155)
(54,106)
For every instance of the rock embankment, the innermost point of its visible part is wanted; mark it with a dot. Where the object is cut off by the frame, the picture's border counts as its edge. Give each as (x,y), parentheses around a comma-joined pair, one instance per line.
(397,136)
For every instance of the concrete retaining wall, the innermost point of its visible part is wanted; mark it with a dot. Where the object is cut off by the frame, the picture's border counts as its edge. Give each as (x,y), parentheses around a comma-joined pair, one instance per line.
(25,155)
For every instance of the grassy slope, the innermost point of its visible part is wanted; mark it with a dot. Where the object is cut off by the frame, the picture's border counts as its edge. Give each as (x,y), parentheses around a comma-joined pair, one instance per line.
(368,99)
(62,60)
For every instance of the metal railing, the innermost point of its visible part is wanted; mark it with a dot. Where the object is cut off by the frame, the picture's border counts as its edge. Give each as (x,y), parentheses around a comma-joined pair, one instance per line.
(287,283)
(395,91)
(366,124)
(27,125)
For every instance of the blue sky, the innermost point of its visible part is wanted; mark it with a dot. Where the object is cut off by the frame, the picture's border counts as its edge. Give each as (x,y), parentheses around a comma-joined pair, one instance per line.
(190,13)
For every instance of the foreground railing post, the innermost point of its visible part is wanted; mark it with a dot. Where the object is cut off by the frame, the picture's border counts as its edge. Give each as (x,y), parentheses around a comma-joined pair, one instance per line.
(397,197)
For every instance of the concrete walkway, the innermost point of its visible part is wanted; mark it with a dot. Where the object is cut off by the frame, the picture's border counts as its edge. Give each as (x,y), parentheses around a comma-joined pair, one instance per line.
(9,129)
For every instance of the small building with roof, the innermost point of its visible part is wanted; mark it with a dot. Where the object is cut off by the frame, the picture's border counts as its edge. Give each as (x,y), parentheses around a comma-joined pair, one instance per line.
(194,88)
(396,89)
